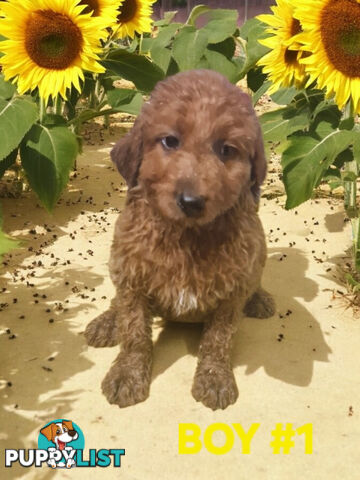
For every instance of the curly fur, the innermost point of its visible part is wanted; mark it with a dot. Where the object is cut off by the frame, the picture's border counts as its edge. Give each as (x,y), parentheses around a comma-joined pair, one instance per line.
(166,263)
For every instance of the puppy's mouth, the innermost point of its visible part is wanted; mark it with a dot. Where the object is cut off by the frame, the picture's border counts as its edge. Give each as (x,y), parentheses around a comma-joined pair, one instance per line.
(192,206)
(61,445)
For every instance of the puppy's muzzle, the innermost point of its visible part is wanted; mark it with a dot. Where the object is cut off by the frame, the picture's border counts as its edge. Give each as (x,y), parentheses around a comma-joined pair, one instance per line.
(192,206)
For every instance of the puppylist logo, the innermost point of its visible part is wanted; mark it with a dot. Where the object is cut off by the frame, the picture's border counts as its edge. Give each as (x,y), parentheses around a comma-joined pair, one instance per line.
(61,445)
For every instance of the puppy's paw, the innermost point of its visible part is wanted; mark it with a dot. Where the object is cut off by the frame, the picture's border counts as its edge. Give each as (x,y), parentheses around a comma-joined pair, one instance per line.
(260,305)
(103,331)
(215,386)
(127,384)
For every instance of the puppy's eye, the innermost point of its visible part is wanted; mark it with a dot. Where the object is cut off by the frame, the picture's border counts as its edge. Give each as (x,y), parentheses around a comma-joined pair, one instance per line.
(58,431)
(170,142)
(65,429)
(225,151)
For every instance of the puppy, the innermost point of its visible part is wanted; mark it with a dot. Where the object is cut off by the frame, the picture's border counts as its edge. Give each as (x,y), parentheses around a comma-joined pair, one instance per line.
(189,245)
(60,433)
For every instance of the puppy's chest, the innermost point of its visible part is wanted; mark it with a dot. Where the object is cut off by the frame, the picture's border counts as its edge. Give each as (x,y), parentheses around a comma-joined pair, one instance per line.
(183,275)
(184,279)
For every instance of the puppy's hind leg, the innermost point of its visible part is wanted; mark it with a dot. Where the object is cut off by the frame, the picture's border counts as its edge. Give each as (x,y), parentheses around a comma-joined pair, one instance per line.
(103,331)
(260,305)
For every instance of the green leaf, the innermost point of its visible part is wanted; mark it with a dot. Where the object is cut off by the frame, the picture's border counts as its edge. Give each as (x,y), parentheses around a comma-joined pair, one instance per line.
(220,63)
(284,95)
(196,12)
(6,243)
(255,79)
(189,46)
(16,118)
(356,146)
(343,157)
(173,68)
(7,162)
(159,53)
(52,119)
(145,45)
(306,160)
(226,48)
(347,123)
(221,24)
(108,81)
(88,86)
(325,118)
(135,68)
(165,36)
(252,31)
(168,17)
(7,89)
(352,282)
(124,100)
(259,93)
(279,124)
(48,155)
(161,57)
(133,45)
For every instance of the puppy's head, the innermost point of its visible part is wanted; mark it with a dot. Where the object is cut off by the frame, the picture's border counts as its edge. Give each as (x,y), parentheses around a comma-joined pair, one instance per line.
(195,148)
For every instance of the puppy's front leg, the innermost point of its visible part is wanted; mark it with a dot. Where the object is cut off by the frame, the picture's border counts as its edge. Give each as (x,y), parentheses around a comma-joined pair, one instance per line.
(214,382)
(128,380)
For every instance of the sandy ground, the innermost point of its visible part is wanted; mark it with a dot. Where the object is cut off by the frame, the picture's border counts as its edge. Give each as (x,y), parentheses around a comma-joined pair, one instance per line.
(299,367)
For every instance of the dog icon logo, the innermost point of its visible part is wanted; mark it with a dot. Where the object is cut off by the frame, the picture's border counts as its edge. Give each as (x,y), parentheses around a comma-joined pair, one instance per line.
(61,439)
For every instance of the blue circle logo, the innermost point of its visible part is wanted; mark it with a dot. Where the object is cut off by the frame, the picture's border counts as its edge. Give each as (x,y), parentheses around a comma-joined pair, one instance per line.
(61,438)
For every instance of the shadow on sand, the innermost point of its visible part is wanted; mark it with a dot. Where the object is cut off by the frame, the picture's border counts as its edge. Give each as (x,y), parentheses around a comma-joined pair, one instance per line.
(285,346)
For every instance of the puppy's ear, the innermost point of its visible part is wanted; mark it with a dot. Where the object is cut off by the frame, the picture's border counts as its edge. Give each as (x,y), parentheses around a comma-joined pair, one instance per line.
(127,154)
(258,161)
(47,431)
(68,424)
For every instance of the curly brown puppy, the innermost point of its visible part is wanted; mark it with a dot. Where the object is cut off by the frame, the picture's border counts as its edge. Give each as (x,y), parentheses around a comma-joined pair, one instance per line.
(189,245)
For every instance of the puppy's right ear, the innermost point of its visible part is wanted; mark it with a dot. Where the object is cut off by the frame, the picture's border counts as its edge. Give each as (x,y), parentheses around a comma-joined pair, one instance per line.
(127,154)
(47,431)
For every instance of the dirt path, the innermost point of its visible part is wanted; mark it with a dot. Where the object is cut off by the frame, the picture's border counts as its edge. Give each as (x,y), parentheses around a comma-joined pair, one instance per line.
(301,366)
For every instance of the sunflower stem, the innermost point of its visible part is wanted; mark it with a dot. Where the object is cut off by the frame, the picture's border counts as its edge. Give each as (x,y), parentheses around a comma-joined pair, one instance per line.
(351,170)
(42,110)
(58,105)
(108,111)
(350,191)
(97,91)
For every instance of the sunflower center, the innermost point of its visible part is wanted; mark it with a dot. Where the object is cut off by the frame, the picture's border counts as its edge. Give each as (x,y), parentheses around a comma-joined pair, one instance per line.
(350,41)
(290,56)
(92,6)
(52,40)
(340,34)
(127,11)
(295,27)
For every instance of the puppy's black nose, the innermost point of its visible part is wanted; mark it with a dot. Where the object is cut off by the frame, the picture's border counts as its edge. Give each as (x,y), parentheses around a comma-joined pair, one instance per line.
(72,433)
(192,206)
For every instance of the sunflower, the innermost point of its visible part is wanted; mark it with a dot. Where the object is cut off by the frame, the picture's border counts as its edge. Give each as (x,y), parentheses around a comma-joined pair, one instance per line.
(134,16)
(282,62)
(332,34)
(48,44)
(107,9)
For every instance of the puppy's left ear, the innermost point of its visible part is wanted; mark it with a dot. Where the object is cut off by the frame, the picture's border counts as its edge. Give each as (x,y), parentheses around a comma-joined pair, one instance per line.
(258,164)
(127,154)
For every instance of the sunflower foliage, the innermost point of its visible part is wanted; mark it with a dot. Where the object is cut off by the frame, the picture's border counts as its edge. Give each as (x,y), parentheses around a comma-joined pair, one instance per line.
(63,63)
(311,69)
